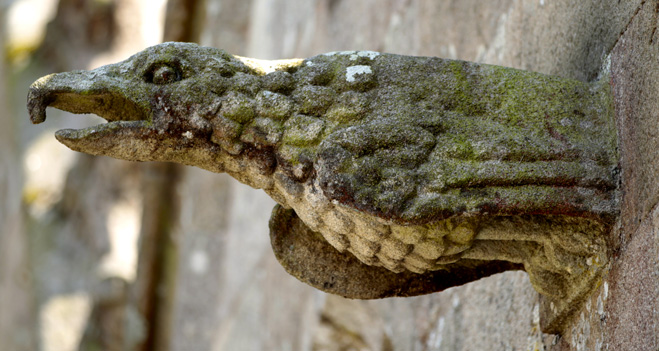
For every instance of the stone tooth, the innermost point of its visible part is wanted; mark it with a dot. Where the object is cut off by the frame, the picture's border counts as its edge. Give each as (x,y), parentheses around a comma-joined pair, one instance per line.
(225,133)
(246,83)
(315,73)
(225,129)
(232,148)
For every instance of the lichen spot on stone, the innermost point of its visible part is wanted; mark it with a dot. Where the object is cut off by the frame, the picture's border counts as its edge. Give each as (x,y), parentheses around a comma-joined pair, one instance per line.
(352,71)
(370,54)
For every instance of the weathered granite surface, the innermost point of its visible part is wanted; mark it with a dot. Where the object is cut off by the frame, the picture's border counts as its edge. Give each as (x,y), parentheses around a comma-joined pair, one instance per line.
(632,310)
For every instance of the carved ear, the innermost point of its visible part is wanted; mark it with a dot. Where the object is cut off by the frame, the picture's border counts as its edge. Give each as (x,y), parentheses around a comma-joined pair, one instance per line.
(307,256)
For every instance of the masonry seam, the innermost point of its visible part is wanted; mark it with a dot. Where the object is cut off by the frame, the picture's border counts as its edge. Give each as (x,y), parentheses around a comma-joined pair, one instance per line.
(624,30)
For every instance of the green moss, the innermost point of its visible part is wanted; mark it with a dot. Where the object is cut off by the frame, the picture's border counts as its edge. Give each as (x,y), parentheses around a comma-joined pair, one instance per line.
(294,155)
(427,135)
(314,100)
(238,107)
(301,130)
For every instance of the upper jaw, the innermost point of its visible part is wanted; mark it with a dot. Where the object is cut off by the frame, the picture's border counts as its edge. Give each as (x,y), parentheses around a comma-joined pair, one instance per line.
(84,92)
(99,92)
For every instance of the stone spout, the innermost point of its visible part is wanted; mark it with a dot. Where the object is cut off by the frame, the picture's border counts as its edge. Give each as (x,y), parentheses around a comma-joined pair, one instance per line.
(395,175)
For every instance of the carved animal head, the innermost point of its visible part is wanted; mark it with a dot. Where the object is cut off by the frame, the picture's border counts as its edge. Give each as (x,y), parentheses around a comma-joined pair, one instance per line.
(173,102)
(430,172)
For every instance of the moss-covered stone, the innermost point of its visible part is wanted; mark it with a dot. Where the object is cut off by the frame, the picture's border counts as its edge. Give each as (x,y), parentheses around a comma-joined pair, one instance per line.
(314,100)
(303,130)
(449,169)
(273,105)
(238,107)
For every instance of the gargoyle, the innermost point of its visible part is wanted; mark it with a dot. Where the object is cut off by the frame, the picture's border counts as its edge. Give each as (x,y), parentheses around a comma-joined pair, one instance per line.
(395,175)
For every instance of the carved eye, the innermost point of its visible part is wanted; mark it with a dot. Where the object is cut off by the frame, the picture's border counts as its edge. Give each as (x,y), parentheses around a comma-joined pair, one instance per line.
(163,74)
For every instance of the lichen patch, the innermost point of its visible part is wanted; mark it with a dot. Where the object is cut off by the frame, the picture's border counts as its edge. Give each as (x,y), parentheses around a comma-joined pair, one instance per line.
(370,54)
(352,71)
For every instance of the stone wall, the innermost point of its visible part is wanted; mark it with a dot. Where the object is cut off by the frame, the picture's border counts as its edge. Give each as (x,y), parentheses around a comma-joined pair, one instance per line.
(567,38)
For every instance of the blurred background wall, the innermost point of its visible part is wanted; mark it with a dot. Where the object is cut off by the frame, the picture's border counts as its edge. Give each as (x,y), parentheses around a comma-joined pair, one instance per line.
(101,254)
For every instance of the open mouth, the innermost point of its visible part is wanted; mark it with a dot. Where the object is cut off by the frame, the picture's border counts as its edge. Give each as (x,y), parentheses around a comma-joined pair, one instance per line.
(126,111)
(73,93)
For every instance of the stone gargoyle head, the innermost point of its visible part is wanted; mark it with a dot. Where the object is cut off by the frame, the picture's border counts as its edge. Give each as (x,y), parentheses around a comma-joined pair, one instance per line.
(395,175)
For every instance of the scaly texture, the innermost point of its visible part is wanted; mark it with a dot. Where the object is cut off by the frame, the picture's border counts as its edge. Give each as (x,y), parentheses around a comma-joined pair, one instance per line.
(409,163)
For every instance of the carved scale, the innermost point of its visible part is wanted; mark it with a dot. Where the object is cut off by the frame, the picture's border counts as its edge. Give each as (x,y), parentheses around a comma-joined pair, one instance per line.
(395,175)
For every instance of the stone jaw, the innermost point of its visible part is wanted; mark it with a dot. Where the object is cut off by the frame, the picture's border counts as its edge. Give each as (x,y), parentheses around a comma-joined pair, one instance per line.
(427,168)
